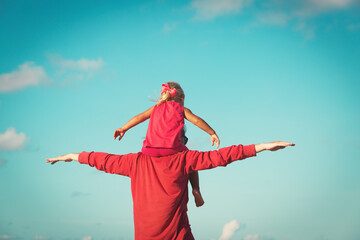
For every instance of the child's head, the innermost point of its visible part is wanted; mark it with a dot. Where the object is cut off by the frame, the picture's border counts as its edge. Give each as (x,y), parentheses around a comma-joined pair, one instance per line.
(171,91)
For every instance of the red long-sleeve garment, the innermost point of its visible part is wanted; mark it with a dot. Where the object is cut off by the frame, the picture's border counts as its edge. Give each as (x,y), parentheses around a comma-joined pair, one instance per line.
(159,185)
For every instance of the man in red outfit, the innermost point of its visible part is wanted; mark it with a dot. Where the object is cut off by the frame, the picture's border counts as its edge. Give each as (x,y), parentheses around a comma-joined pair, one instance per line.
(159,185)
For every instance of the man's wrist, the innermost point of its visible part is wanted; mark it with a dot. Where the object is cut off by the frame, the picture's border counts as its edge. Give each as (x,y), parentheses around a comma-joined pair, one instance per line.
(75,156)
(260,147)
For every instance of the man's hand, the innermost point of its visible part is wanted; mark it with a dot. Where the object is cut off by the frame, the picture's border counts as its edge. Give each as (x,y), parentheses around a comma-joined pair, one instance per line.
(215,138)
(273,146)
(120,132)
(65,158)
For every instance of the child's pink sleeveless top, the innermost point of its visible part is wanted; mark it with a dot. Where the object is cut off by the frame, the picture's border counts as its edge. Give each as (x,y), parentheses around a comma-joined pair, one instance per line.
(163,135)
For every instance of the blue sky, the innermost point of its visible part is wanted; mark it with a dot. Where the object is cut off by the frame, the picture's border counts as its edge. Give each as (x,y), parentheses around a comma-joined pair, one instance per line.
(256,71)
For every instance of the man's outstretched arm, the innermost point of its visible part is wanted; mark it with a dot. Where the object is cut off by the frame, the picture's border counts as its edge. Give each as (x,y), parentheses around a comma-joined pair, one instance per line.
(195,160)
(110,163)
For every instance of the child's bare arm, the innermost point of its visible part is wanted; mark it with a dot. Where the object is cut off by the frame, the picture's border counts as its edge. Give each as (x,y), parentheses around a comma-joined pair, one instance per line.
(200,123)
(133,122)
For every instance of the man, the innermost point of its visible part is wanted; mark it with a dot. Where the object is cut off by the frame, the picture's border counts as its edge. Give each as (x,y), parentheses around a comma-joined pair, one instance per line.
(159,185)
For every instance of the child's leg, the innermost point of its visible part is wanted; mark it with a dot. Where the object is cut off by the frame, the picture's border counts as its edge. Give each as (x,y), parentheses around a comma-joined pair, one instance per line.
(194,181)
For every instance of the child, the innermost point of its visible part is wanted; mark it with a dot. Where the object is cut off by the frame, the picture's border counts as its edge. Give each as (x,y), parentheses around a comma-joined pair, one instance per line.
(166,124)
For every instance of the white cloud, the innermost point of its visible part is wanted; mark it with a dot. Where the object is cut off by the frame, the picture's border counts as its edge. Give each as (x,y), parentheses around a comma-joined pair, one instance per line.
(87,238)
(229,230)
(209,9)
(27,74)
(6,237)
(82,64)
(10,140)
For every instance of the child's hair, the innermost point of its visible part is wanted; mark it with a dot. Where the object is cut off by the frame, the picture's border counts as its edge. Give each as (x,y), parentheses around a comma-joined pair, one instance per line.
(179,97)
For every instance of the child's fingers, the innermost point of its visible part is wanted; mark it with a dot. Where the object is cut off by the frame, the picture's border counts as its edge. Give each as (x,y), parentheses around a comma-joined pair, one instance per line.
(120,136)
(212,141)
(116,134)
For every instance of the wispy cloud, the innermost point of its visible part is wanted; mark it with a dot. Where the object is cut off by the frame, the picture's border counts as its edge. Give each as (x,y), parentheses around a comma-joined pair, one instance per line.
(2,163)
(82,64)
(10,140)
(87,222)
(354,27)
(210,9)
(299,15)
(7,237)
(257,237)
(252,237)
(79,194)
(308,8)
(39,237)
(168,27)
(326,5)
(27,74)
(273,18)
(69,70)
(229,230)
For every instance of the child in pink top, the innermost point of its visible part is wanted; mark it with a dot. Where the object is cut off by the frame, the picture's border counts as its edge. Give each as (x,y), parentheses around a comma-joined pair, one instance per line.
(165,128)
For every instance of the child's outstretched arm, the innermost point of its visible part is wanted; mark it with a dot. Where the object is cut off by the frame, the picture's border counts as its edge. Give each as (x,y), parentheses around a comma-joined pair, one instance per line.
(200,123)
(133,122)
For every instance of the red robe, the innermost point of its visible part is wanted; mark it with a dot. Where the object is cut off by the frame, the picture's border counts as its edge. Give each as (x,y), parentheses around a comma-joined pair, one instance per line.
(159,185)
(163,136)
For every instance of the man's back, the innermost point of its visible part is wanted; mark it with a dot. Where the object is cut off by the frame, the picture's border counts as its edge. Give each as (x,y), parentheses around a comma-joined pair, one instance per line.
(159,185)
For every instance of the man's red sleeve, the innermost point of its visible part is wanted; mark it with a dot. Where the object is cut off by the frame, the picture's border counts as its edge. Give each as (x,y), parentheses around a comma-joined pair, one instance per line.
(205,160)
(110,163)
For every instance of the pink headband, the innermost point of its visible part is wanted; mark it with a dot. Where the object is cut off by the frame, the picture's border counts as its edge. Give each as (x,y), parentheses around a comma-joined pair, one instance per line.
(166,88)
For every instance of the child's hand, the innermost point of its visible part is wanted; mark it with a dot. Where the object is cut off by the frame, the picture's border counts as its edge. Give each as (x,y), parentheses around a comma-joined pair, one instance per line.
(215,138)
(120,132)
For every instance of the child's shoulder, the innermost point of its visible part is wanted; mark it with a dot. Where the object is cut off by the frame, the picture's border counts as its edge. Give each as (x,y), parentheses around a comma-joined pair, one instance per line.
(169,106)
(171,103)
